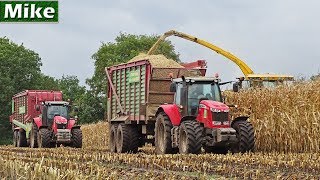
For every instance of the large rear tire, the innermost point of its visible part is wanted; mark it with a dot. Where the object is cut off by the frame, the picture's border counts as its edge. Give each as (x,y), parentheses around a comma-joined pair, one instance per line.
(245,136)
(113,137)
(76,138)
(163,128)
(44,138)
(127,139)
(21,138)
(190,137)
(34,136)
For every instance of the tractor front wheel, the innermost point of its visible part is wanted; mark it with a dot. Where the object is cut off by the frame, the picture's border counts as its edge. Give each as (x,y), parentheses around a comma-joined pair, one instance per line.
(245,136)
(190,137)
(44,138)
(76,138)
(163,128)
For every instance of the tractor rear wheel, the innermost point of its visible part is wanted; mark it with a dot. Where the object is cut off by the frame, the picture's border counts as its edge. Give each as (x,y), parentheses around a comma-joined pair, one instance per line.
(127,139)
(163,128)
(21,138)
(190,137)
(33,136)
(245,136)
(76,138)
(113,137)
(44,138)
(15,138)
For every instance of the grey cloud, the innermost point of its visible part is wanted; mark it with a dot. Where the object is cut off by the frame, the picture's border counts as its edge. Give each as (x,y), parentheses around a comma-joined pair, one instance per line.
(270,36)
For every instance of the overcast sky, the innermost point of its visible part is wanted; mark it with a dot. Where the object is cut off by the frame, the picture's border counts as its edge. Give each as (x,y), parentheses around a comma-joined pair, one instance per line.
(275,36)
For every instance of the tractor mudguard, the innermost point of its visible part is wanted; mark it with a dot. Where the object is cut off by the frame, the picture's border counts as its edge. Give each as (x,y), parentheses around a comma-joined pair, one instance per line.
(240,118)
(172,111)
(71,124)
(38,122)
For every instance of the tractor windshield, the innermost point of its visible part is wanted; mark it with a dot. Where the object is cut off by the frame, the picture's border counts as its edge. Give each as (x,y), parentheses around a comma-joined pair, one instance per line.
(201,91)
(60,110)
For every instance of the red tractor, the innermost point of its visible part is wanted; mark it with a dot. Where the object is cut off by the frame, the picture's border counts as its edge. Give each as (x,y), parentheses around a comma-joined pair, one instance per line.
(41,119)
(145,105)
(199,118)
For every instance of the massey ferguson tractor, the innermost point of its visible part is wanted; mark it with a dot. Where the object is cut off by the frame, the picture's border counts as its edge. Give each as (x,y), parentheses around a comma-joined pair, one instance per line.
(177,109)
(41,119)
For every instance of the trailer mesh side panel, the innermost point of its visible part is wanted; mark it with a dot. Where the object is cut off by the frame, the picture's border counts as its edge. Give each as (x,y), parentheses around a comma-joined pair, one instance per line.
(130,85)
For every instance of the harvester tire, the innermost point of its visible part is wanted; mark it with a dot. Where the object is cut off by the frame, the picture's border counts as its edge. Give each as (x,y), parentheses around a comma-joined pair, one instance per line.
(113,137)
(15,138)
(190,137)
(33,136)
(163,128)
(123,142)
(21,138)
(245,136)
(76,138)
(44,138)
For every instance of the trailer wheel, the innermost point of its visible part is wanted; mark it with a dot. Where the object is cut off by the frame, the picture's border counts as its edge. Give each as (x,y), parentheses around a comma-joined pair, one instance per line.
(163,128)
(33,136)
(113,137)
(15,138)
(245,136)
(44,138)
(21,138)
(190,137)
(123,138)
(135,139)
(76,138)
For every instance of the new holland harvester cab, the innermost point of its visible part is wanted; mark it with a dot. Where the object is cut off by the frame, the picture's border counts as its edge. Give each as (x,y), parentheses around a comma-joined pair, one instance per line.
(199,118)
(41,119)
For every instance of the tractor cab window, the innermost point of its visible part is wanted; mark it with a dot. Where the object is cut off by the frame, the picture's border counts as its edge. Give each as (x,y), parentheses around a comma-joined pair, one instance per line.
(202,91)
(60,110)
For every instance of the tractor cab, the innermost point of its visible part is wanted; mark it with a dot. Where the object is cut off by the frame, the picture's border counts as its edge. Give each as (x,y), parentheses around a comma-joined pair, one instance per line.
(190,91)
(52,109)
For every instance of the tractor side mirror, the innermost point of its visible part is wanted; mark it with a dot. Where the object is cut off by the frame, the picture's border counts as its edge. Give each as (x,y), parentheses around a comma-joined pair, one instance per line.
(235,87)
(173,87)
(76,109)
(224,99)
(37,108)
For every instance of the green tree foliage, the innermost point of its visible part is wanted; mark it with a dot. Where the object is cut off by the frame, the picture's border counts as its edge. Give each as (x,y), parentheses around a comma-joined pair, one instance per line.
(125,47)
(19,70)
(90,108)
(70,87)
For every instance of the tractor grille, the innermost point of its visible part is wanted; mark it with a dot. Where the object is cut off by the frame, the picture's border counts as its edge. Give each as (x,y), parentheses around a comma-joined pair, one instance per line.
(220,116)
(61,126)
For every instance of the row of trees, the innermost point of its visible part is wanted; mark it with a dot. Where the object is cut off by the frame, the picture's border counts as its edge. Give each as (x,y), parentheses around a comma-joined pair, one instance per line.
(20,70)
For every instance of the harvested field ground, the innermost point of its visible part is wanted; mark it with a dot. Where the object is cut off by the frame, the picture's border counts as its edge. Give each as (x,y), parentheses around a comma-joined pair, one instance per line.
(286,122)
(69,163)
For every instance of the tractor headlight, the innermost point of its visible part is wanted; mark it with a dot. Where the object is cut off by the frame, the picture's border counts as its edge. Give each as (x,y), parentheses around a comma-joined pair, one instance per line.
(216,123)
(226,123)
